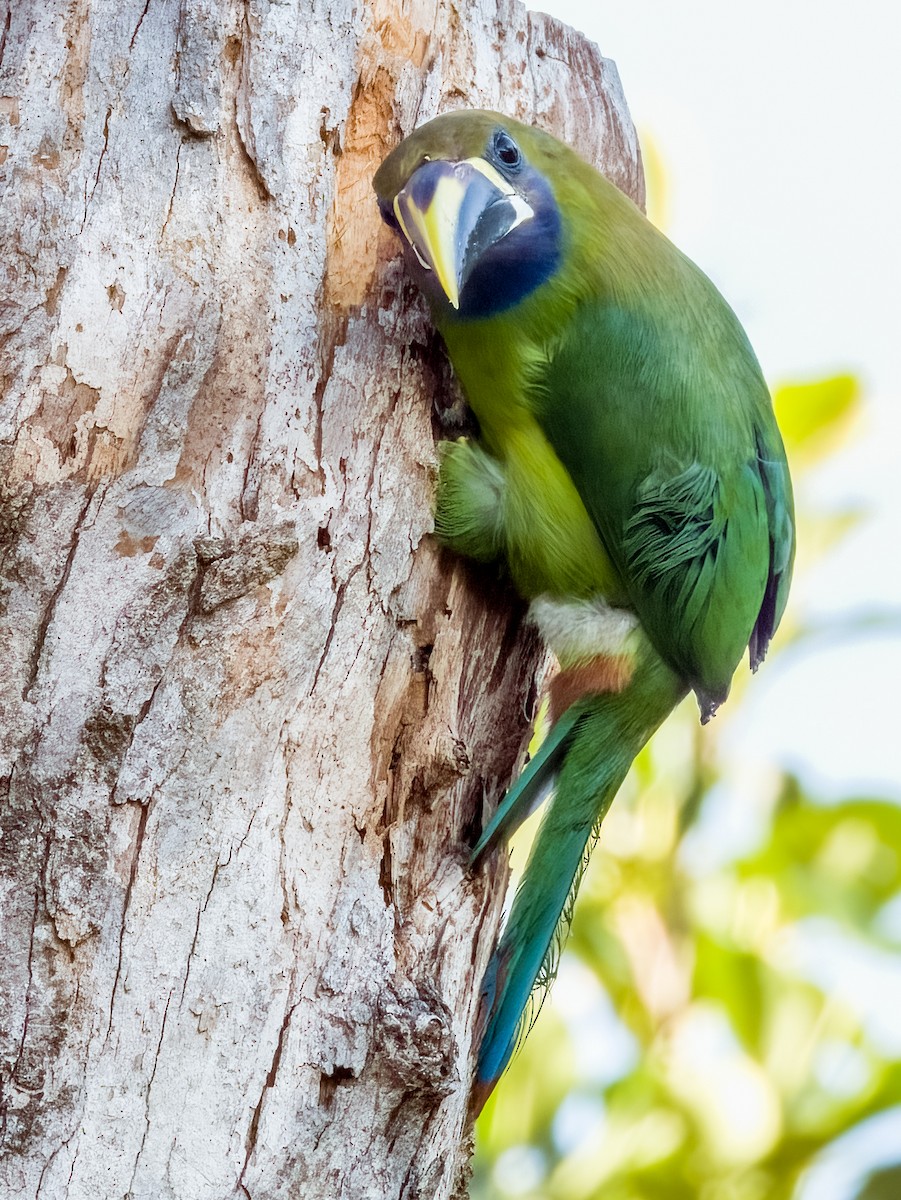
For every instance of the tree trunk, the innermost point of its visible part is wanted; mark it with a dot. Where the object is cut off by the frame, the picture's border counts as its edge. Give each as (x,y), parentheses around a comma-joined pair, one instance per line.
(250,714)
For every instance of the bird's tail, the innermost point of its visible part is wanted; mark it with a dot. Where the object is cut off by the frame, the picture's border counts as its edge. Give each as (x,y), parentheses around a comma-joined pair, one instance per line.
(592,760)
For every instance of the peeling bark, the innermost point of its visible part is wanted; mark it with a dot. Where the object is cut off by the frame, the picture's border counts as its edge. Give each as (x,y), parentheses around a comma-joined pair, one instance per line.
(251,716)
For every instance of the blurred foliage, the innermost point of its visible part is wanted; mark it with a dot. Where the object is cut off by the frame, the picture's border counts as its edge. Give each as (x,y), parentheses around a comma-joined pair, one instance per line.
(883,1185)
(815,418)
(716,1024)
(656,178)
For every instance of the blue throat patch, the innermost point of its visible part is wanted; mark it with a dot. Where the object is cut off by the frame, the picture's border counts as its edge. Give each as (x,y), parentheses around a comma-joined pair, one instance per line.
(519,263)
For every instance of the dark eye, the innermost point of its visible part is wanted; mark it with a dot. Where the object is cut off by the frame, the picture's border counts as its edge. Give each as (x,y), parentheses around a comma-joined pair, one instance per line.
(507,150)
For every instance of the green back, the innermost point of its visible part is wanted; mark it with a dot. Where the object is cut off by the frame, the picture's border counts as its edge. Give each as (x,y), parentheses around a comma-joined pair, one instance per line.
(659,413)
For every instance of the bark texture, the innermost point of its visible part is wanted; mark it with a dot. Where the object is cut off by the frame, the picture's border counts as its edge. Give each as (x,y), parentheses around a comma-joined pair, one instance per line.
(250,713)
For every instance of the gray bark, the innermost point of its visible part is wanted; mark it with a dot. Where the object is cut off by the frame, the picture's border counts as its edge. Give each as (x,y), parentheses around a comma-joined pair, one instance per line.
(250,713)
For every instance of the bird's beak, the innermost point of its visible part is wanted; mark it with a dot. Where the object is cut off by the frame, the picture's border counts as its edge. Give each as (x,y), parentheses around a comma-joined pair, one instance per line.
(452,212)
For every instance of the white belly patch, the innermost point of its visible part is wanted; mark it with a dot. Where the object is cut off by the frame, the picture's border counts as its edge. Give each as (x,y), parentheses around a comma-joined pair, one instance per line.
(580,630)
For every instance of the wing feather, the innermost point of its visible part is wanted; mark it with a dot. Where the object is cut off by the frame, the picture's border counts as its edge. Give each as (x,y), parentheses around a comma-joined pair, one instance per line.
(678,460)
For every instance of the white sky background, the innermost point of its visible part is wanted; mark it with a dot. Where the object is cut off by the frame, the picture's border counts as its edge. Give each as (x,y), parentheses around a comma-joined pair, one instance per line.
(779,127)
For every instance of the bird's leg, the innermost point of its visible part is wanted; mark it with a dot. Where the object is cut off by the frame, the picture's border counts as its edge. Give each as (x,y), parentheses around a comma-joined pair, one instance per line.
(469,506)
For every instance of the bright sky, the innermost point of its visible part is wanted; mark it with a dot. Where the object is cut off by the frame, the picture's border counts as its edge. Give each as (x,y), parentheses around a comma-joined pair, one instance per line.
(779,128)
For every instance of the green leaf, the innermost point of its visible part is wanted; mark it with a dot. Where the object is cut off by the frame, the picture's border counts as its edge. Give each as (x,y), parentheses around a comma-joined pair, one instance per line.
(884,1184)
(815,416)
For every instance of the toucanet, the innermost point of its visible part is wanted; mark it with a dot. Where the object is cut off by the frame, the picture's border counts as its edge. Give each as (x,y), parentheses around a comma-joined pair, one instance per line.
(627,469)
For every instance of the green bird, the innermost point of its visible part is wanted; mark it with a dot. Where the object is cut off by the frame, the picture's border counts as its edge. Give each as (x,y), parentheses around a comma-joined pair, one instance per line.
(628,469)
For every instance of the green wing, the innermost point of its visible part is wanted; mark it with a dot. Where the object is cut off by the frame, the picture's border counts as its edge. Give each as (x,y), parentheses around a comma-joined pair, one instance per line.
(664,422)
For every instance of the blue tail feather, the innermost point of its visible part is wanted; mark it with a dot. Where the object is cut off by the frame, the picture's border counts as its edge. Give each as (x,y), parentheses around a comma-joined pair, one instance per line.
(592,758)
(533,785)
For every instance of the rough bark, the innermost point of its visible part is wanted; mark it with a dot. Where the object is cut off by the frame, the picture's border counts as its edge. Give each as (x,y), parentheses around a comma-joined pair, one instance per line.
(250,713)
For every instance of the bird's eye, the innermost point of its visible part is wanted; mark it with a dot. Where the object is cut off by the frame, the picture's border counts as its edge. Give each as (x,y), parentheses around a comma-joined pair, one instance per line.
(507,150)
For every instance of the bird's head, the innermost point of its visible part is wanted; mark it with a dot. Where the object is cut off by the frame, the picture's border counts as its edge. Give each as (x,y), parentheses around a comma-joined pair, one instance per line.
(469,196)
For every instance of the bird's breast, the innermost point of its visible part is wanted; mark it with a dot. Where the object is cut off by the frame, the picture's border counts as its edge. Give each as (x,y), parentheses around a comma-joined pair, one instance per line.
(553,547)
